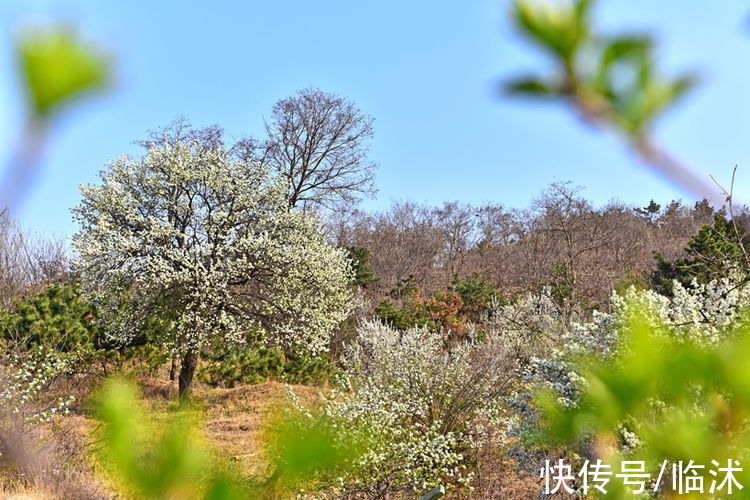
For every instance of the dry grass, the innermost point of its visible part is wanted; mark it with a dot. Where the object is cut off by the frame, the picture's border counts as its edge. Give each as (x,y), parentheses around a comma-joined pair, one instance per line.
(239,419)
(235,423)
(498,477)
(54,467)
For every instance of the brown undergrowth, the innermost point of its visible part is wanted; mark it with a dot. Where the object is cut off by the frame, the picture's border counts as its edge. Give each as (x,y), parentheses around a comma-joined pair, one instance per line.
(236,423)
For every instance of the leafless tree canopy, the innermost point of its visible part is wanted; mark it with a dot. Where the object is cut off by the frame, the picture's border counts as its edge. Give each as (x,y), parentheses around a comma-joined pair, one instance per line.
(27,263)
(561,240)
(320,142)
(180,129)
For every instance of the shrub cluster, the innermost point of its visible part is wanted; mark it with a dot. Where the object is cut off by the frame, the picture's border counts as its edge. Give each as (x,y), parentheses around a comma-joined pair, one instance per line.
(702,315)
(252,364)
(421,407)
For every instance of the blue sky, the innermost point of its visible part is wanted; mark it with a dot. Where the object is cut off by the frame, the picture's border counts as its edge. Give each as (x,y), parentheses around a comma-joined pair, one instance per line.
(428,71)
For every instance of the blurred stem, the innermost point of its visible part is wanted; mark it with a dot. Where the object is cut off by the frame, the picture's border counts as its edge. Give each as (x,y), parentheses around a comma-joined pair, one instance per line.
(24,165)
(690,179)
(599,114)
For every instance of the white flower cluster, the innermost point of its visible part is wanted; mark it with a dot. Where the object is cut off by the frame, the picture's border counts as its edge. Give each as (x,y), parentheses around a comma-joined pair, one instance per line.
(702,313)
(530,326)
(422,405)
(26,378)
(209,242)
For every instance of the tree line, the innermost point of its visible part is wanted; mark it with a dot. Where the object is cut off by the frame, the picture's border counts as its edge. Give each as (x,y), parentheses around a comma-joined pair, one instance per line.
(562,242)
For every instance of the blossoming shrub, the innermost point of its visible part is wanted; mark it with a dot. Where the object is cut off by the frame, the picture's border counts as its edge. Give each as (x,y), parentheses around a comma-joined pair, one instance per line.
(28,402)
(418,407)
(626,371)
(703,313)
(26,378)
(666,399)
(530,326)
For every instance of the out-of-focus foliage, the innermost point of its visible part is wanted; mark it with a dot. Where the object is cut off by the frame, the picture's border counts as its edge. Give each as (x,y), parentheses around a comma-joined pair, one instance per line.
(57,66)
(149,459)
(152,464)
(608,78)
(309,454)
(657,379)
(678,399)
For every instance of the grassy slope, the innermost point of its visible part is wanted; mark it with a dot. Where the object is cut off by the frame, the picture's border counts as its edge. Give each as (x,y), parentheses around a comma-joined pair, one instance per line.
(233,422)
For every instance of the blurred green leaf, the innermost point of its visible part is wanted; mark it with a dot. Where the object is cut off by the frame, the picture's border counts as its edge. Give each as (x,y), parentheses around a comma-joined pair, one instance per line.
(559,28)
(531,86)
(611,79)
(633,49)
(310,453)
(685,401)
(151,463)
(58,67)
(305,451)
(662,94)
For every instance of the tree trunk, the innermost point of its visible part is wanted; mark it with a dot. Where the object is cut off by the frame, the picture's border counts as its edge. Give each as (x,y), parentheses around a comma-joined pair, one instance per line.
(173,368)
(187,370)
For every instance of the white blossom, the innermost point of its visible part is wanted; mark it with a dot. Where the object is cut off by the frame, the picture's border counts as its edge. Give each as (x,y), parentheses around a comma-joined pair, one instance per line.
(208,242)
(423,406)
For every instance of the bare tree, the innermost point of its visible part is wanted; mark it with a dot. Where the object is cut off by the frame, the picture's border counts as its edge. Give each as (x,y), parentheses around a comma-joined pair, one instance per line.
(403,240)
(180,129)
(319,141)
(457,225)
(27,263)
(582,252)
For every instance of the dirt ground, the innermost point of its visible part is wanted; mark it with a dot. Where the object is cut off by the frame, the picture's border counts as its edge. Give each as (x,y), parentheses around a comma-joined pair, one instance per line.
(233,423)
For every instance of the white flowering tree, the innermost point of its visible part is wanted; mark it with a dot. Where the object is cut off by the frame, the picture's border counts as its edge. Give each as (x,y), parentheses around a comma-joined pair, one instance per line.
(206,241)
